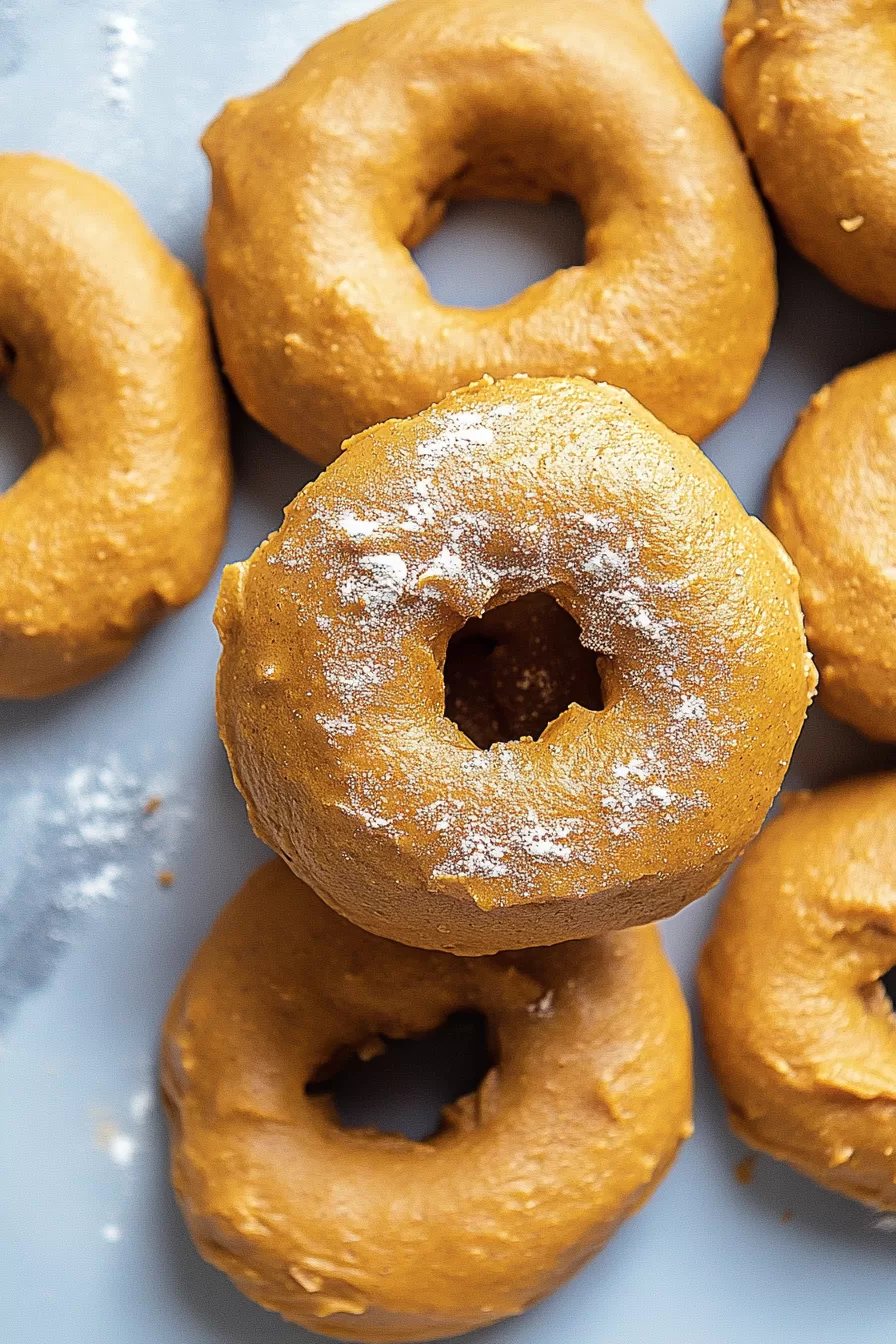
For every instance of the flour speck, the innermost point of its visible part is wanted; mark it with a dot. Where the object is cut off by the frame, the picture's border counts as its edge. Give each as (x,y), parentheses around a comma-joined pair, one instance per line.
(127,47)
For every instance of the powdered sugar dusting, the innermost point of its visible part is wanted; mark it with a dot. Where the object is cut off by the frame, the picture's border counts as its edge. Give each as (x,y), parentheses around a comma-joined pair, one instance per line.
(127,47)
(417,552)
(691,707)
(142,1104)
(539,843)
(73,842)
(356,528)
(637,788)
(462,429)
(379,584)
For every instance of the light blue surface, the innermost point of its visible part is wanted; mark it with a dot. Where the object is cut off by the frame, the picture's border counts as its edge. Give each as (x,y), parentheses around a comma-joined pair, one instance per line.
(126,89)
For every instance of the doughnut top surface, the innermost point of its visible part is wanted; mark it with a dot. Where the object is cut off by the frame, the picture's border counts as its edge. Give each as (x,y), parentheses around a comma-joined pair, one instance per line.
(323,182)
(331,693)
(372,1236)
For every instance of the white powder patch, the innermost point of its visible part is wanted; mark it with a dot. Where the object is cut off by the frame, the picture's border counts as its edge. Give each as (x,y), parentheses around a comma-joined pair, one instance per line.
(355,682)
(421,511)
(72,842)
(692,707)
(127,47)
(462,431)
(604,559)
(380,583)
(374,820)
(121,1147)
(447,565)
(102,886)
(638,793)
(477,854)
(142,1104)
(357,529)
(537,842)
(336,727)
(483,844)
(631,610)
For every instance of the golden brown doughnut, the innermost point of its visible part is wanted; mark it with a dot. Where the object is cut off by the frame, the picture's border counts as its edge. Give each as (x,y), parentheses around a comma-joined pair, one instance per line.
(801,1033)
(331,693)
(322,183)
(370,1236)
(812,88)
(832,504)
(105,342)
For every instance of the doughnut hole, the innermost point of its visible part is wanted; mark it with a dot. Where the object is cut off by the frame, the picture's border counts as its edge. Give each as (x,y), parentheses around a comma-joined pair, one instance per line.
(879,996)
(511,672)
(20,441)
(888,985)
(486,252)
(403,1086)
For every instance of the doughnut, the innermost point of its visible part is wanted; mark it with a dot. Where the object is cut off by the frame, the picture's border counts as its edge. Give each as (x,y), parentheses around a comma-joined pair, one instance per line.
(331,690)
(811,88)
(372,1236)
(104,340)
(832,503)
(323,182)
(801,1033)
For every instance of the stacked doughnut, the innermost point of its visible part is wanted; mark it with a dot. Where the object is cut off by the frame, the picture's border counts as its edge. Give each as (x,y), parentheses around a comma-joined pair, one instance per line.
(506,877)
(796,979)
(516,677)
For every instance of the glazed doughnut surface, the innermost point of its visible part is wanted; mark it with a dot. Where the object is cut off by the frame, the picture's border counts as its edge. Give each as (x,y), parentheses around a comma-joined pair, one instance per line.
(801,1034)
(323,182)
(832,503)
(331,693)
(106,344)
(811,87)
(369,1236)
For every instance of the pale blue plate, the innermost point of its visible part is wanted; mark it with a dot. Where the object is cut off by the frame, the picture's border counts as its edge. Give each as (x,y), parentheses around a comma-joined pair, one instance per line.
(92,1249)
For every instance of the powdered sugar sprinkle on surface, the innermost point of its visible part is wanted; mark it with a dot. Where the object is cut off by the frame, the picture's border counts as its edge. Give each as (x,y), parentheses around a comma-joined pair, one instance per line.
(390,561)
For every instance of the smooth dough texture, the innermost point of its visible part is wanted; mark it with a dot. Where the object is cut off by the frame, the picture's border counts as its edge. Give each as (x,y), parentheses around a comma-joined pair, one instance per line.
(832,504)
(369,1236)
(811,87)
(104,340)
(331,693)
(801,1033)
(323,182)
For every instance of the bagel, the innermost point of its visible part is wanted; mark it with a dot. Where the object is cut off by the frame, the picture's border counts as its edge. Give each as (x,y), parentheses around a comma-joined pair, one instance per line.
(800,1031)
(811,88)
(331,692)
(105,342)
(832,503)
(369,1236)
(323,182)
